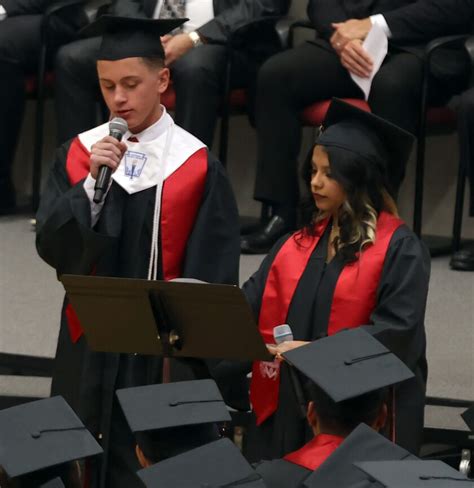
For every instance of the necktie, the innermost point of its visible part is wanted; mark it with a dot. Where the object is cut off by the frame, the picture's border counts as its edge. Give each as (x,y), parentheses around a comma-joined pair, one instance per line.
(173,9)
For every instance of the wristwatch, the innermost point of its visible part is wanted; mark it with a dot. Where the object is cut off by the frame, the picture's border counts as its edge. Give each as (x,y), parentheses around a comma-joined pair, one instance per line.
(195,38)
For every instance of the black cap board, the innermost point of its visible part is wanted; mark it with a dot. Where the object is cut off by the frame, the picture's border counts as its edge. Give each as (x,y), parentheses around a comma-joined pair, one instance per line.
(468,417)
(42,434)
(156,407)
(56,483)
(348,364)
(363,444)
(375,139)
(216,465)
(128,37)
(415,474)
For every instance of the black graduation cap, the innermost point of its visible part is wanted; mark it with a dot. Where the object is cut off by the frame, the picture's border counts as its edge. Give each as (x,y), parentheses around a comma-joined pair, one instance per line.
(348,364)
(170,418)
(365,134)
(216,465)
(363,444)
(128,37)
(468,417)
(415,474)
(42,434)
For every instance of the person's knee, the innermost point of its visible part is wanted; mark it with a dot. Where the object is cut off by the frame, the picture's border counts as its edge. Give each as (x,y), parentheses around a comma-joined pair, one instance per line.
(76,57)
(198,67)
(274,76)
(399,84)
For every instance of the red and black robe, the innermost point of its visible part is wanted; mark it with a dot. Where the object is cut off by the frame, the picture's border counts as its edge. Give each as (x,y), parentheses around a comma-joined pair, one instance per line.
(199,238)
(385,292)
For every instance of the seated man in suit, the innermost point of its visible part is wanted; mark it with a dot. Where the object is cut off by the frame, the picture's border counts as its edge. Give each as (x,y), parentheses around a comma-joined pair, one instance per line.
(196,55)
(20,40)
(320,69)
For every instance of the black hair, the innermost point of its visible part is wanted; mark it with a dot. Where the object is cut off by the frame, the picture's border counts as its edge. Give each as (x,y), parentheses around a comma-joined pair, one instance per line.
(159,445)
(154,62)
(343,417)
(365,185)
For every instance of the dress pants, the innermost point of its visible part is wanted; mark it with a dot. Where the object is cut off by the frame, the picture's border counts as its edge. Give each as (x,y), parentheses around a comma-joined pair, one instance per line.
(466,140)
(198,78)
(19,46)
(294,79)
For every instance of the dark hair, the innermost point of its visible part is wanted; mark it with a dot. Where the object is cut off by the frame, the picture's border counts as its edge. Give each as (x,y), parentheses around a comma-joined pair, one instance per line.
(367,195)
(70,474)
(161,444)
(343,417)
(154,62)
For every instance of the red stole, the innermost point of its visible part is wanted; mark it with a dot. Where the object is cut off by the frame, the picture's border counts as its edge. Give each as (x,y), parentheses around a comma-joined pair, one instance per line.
(181,199)
(354,299)
(315,452)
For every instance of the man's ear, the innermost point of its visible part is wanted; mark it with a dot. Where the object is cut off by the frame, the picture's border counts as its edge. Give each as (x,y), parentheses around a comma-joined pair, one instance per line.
(163,80)
(311,415)
(381,419)
(142,459)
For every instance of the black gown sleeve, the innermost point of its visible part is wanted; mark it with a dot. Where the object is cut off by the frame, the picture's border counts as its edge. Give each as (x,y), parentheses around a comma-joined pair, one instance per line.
(213,249)
(254,287)
(64,237)
(398,318)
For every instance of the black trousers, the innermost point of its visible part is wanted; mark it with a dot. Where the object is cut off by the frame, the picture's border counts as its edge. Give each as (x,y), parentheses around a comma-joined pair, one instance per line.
(198,78)
(294,79)
(19,47)
(466,139)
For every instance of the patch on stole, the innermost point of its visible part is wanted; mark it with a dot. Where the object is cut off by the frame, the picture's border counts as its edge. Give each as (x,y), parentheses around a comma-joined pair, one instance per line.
(270,369)
(134,164)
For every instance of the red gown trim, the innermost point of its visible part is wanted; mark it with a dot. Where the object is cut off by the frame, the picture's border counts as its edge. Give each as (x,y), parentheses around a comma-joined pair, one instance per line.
(354,299)
(182,195)
(315,452)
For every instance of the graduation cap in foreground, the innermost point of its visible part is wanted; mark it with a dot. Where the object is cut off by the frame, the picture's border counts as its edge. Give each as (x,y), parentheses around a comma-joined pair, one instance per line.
(363,444)
(375,139)
(42,434)
(216,465)
(468,417)
(348,364)
(128,37)
(171,418)
(415,474)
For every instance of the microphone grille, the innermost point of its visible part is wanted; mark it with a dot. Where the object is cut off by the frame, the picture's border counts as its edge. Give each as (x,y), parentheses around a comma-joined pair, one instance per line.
(118,124)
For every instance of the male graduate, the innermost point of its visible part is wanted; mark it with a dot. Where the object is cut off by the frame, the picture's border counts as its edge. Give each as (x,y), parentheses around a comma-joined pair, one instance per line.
(348,378)
(169,212)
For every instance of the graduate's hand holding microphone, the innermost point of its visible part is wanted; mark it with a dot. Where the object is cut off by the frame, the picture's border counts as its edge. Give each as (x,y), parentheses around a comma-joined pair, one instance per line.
(106,155)
(284,342)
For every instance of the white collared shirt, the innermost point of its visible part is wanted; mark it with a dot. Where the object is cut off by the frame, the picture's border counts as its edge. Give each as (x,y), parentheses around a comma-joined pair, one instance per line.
(199,12)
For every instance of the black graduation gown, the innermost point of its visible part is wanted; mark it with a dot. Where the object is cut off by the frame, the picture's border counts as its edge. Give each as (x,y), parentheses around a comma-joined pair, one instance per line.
(119,245)
(397,322)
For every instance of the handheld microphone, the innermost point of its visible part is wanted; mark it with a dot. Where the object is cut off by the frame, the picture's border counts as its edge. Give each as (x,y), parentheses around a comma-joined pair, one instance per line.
(282,333)
(117,128)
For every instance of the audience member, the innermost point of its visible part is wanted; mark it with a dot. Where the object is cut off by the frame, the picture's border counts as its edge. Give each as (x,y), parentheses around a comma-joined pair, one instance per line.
(321,69)
(169,212)
(353,264)
(20,42)
(196,55)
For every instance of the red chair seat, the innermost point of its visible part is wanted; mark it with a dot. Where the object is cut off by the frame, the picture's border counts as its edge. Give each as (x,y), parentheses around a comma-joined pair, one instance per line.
(441,116)
(31,83)
(313,115)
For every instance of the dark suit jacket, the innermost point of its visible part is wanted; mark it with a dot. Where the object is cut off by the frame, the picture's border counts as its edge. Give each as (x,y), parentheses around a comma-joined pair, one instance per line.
(412,23)
(229,14)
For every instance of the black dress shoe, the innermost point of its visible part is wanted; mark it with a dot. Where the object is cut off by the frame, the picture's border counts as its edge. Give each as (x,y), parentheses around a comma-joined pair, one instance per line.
(261,241)
(463,260)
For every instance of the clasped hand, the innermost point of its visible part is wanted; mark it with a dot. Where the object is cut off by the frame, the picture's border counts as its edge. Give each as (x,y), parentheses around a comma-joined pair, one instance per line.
(278,349)
(347,42)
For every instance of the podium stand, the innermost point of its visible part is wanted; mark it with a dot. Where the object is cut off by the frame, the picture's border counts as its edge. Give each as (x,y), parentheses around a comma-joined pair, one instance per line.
(173,319)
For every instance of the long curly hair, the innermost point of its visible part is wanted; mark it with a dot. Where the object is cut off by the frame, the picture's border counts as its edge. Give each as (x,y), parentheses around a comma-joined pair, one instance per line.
(367,195)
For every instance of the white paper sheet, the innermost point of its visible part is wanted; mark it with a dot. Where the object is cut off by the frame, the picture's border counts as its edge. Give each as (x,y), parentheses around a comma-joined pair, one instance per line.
(376,45)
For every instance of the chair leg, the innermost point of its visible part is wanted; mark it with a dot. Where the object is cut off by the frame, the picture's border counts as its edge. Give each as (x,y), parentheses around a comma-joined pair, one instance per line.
(458,207)
(225,114)
(38,143)
(419,183)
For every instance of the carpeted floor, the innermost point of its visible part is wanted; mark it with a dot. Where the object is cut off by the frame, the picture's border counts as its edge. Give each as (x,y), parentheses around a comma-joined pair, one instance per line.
(30,300)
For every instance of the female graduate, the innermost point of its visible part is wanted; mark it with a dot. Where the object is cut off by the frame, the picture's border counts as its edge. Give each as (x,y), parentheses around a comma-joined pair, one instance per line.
(354,263)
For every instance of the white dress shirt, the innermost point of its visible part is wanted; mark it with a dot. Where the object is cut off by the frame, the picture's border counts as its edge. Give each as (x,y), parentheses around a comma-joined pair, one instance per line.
(199,12)
(382,23)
